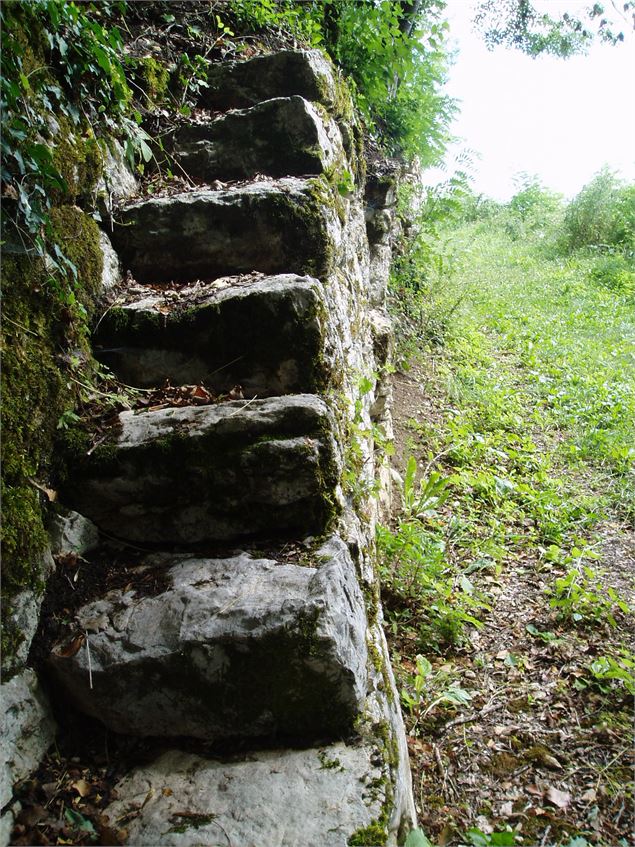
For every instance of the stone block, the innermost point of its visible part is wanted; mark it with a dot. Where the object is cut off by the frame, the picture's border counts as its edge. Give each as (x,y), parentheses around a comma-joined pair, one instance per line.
(276,226)
(238,84)
(210,473)
(266,335)
(71,532)
(274,798)
(232,647)
(28,730)
(285,136)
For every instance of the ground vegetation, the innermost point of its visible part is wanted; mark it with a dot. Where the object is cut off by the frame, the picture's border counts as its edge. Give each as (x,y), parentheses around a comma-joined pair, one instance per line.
(508,570)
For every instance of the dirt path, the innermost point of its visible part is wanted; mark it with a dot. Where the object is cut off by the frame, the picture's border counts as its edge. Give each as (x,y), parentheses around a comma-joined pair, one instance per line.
(538,750)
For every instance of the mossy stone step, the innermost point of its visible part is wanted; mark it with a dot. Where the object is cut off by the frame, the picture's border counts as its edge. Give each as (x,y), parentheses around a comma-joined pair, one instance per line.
(276,226)
(265,334)
(231,647)
(284,136)
(234,85)
(209,473)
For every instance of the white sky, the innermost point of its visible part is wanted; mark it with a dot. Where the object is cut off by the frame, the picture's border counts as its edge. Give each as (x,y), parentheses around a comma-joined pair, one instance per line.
(560,119)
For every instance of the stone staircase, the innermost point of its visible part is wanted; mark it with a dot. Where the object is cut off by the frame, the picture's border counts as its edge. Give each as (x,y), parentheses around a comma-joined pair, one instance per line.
(263,283)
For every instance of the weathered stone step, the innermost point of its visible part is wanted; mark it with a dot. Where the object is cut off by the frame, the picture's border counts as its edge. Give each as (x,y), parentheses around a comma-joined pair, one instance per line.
(275,226)
(318,797)
(238,84)
(279,137)
(195,474)
(265,334)
(237,647)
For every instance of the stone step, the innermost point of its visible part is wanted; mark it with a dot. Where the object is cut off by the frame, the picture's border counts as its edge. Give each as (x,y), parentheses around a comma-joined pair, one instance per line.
(275,226)
(234,85)
(265,334)
(279,137)
(207,473)
(237,647)
(319,797)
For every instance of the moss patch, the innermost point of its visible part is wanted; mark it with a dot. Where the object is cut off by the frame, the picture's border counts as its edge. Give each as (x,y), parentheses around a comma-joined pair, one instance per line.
(33,397)
(77,234)
(79,158)
(153,78)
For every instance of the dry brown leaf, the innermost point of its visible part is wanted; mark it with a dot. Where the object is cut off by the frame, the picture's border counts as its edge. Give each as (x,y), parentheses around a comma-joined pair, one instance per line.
(550,761)
(50,493)
(561,799)
(72,648)
(82,787)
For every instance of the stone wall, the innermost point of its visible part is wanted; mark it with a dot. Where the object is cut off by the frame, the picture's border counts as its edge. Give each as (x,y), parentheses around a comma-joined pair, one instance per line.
(262,290)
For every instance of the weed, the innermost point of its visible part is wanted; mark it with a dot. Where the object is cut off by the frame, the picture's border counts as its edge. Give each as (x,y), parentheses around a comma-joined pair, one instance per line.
(580,597)
(429,688)
(425,591)
(608,674)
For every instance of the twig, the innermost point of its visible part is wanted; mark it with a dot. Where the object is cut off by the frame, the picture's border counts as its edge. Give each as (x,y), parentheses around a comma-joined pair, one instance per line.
(543,842)
(473,717)
(437,757)
(125,543)
(619,814)
(20,326)
(248,403)
(96,444)
(435,459)
(614,759)
(222,367)
(90,665)
(118,302)
(110,395)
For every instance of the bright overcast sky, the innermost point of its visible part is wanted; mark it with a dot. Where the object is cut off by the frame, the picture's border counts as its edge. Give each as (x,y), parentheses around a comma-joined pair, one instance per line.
(560,119)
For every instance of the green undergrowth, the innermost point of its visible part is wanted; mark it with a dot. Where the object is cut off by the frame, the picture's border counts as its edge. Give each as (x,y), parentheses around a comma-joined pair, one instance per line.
(530,446)
(520,476)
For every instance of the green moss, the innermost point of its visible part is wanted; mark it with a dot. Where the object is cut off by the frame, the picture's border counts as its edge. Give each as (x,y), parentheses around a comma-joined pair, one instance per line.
(502,764)
(329,764)
(77,234)
(183,822)
(373,835)
(307,631)
(325,193)
(79,158)
(153,78)
(33,397)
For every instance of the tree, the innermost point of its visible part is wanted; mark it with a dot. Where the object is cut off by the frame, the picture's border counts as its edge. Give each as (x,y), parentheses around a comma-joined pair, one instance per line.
(519,24)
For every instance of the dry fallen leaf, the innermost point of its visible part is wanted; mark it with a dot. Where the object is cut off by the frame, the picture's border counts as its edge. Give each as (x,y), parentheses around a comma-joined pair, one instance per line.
(50,493)
(82,787)
(550,761)
(561,799)
(72,648)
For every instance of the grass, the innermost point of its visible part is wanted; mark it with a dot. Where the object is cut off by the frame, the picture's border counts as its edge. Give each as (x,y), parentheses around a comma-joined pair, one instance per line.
(527,451)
